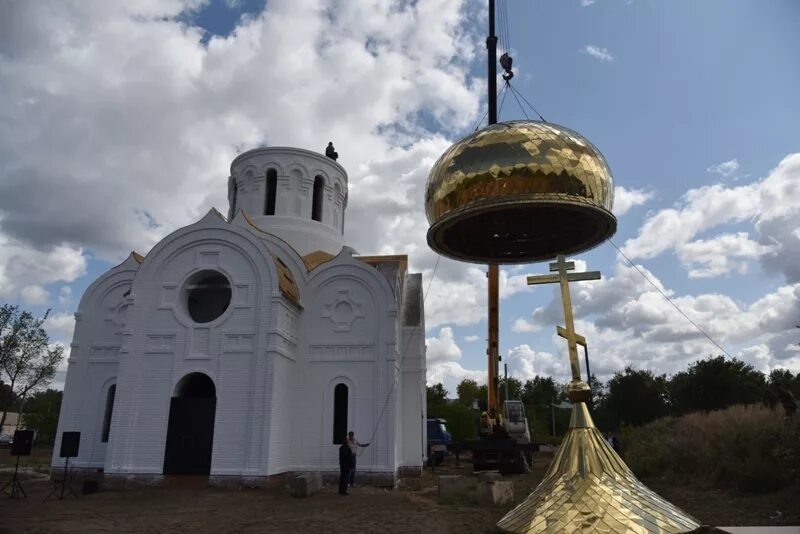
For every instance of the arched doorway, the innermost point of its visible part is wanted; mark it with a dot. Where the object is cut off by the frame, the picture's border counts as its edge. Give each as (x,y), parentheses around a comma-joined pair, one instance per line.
(190,433)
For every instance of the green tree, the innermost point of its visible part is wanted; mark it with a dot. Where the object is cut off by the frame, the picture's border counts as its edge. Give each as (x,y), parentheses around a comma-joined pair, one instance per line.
(27,361)
(41,414)
(716,383)
(537,394)
(514,388)
(437,395)
(636,397)
(469,391)
(541,391)
(8,400)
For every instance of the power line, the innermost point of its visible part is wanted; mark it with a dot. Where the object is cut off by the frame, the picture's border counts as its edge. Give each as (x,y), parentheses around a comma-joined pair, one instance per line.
(663,294)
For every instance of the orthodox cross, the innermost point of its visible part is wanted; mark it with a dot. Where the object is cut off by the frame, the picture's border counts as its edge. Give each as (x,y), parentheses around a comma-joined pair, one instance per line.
(564,278)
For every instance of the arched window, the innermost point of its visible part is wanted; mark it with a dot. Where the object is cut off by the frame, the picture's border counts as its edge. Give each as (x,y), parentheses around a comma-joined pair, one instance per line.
(316,207)
(272,190)
(112,391)
(339,413)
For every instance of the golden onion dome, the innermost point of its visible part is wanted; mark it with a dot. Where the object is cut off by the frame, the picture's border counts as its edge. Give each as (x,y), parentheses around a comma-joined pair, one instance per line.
(519,192)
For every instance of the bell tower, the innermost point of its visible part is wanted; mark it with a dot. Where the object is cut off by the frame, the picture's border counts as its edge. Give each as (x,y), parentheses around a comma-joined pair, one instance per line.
(297,195)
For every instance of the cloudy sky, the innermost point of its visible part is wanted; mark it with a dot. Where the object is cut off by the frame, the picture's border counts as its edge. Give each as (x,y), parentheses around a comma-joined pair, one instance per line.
(119,120)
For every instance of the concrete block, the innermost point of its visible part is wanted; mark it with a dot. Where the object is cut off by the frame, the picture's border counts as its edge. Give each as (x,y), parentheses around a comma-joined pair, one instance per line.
(305,485)
(495,493)
(488,476)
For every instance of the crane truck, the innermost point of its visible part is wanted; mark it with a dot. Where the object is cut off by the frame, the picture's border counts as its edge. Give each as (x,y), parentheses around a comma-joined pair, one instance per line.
(504,439)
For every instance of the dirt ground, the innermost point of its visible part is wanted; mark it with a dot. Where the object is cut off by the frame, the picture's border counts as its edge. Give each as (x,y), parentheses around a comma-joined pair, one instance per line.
(187,505)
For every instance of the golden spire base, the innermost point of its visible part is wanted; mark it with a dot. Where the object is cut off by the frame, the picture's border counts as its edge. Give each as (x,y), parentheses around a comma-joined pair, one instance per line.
(588,488)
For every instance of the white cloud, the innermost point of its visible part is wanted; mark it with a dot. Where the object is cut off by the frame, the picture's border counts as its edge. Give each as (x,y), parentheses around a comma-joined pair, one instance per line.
(64,294)
(34,295)
(625,199)
(627,321)
(442,348)
(525,363)
(600,53)
(60,327)
(521,325)
(451,373)
(443,361)
(706,258)
(586,3)
(768,204)
(471,339)
(22,266)
(89,80)
(726,168)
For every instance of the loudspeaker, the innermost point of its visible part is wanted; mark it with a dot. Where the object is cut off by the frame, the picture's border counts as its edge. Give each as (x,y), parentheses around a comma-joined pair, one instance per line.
(23,442)
(70,443)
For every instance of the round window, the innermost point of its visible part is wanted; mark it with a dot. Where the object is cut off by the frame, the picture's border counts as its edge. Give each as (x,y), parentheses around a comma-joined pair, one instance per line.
(207,295)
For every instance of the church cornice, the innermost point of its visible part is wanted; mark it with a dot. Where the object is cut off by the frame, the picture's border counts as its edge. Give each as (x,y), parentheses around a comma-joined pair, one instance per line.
(273,150)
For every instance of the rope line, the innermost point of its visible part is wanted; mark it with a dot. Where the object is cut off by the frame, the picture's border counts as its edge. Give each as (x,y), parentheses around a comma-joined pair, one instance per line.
(516,91)
(487,109)
(513,92)
(699,329)
(405,351)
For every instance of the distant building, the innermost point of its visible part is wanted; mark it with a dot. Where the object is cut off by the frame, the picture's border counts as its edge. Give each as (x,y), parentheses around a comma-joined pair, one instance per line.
(247,347)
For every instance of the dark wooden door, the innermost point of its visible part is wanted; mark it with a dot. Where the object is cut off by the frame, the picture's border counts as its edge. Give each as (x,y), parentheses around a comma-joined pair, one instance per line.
(190,436)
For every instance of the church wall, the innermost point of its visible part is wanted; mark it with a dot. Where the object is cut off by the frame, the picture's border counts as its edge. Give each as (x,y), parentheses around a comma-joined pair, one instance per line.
(413,436)
(413,391)
(349,334)
(167,344)
(93,363)
(284,415)
(285,407)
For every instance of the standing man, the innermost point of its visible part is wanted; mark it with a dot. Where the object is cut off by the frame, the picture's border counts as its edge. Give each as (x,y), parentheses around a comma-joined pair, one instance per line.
(353,444)
(345,467)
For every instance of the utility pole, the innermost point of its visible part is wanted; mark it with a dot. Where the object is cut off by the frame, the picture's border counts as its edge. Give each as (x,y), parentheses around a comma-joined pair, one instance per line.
(505,366)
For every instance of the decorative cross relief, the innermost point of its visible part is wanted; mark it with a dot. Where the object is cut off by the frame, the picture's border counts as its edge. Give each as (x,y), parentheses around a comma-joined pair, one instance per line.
(578,387)
(343,311)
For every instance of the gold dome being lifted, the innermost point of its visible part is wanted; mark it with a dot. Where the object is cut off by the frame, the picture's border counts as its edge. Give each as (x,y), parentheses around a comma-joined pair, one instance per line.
(519,192)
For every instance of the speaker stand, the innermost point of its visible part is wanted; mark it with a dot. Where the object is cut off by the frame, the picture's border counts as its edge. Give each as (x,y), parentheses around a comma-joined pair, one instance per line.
(64,485)
(14,487)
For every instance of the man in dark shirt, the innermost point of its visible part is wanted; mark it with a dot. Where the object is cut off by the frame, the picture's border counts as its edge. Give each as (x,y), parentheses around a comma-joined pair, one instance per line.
(331,152)
(345,463)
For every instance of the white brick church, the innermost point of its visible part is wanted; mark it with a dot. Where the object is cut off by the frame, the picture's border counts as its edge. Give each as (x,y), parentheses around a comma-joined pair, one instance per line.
(245,348)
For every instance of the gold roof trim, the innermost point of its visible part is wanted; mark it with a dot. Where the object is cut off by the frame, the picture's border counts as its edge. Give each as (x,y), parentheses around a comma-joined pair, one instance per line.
(138,257)
(286,281)
(249,220)
(589,488)
(316,258)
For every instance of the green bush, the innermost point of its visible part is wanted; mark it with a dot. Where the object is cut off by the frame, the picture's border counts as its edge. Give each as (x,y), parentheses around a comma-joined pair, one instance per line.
(750,447)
